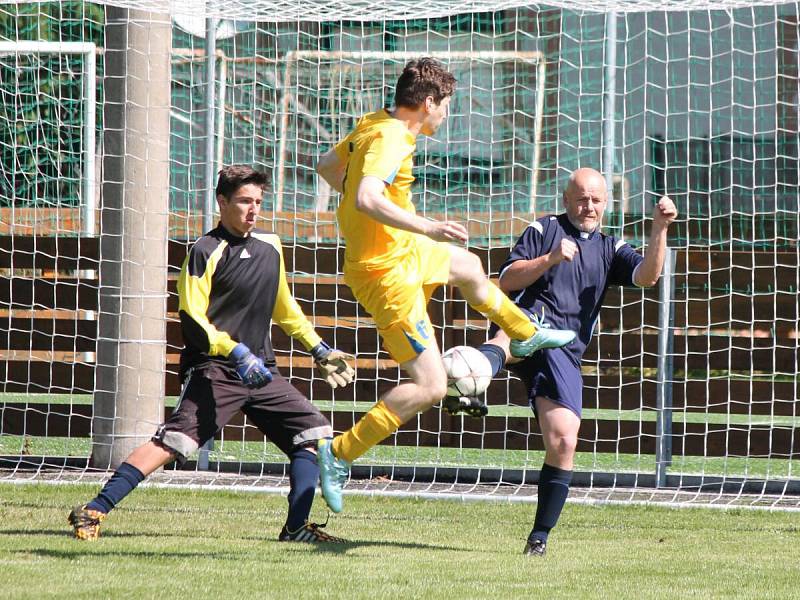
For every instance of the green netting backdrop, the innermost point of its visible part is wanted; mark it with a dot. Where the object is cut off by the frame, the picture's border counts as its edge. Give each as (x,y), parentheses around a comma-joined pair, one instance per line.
(706,111)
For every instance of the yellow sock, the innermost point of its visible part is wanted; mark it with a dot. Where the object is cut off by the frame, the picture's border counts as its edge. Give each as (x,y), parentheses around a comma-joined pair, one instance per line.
(378,424)
(502,311)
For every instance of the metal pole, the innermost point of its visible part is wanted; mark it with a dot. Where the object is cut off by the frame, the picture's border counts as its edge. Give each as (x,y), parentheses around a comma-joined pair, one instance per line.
(208,208)
(131,340)
(666,321)
(541,67)
(89,195)
(211,76)
(609,107)
(220,101)
(89,203)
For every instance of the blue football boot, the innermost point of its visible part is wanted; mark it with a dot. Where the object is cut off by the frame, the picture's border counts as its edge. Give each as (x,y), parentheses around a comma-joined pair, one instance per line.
(333,473)
(545,337)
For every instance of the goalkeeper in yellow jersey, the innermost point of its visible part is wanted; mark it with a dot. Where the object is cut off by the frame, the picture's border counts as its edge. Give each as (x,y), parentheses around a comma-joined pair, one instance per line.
(395,259)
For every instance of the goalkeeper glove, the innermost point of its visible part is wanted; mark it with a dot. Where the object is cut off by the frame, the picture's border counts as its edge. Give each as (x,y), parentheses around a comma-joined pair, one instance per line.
(332,365)
(249,367)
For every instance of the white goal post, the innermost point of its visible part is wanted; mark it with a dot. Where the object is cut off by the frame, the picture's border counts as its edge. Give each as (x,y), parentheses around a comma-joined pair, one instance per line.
(88,50)
(534,60)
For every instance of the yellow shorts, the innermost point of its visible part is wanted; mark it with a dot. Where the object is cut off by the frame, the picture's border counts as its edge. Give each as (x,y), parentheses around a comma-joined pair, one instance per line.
(397,298)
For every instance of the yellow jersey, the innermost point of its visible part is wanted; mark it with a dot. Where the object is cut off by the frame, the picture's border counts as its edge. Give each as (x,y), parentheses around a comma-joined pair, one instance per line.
(379,146)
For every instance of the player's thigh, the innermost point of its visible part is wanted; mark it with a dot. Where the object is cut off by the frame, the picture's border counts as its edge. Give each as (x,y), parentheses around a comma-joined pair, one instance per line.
(209,398)
(387,296)
(286,416)
(390,295)
(465,267)
(433,263)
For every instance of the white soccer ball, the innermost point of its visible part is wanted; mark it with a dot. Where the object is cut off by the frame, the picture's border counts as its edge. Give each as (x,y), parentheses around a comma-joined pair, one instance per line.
(468,371)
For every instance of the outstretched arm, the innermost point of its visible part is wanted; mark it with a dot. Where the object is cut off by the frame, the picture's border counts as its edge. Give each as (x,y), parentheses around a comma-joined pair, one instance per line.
(648,272)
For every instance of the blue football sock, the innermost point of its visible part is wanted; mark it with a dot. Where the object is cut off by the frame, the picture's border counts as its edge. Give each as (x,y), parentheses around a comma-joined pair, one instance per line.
(496,356)
(122,483)
(553,490)
(303,477)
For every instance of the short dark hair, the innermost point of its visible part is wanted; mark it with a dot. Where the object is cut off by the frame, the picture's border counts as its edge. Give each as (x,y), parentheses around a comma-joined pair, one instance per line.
(232,177)
(422,78)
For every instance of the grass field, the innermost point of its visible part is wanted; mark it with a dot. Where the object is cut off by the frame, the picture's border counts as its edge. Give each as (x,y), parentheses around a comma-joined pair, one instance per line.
(182,544)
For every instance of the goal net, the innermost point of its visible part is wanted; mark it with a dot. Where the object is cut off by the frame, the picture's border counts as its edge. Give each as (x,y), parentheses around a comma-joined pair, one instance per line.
(690,388)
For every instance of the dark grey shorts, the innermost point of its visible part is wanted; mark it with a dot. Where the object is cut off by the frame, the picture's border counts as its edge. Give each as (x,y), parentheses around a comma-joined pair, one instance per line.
(213,394)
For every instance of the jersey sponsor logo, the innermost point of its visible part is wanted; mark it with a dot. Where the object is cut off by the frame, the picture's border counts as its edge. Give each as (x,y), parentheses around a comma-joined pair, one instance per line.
(244,254)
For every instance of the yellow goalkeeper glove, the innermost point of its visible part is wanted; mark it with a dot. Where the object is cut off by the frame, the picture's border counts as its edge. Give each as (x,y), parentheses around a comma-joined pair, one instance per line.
(332,365)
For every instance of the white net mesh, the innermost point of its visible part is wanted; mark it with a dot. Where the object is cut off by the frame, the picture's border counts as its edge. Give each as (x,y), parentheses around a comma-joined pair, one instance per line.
(339,10)
(700,105)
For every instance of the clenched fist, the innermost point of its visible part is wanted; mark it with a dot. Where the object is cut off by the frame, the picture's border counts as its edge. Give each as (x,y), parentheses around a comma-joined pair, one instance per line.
(566,251)
(664,212)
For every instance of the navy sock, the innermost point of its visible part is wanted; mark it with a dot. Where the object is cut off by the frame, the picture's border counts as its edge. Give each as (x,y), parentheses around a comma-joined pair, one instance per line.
(553,490)
(303,477)
(496,356)
(122,483)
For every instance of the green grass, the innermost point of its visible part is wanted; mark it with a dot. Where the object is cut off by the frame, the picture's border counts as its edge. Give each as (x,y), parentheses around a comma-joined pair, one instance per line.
(185,544)
(257,452)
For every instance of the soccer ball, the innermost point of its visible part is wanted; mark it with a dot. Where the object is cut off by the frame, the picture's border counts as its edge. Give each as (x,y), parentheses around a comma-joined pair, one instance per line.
(468,371)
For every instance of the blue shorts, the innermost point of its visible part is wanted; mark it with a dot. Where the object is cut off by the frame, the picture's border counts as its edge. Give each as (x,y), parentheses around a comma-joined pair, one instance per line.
(552,373)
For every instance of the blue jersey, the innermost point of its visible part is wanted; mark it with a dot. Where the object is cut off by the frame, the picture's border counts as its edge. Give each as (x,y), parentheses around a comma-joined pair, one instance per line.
(571,294)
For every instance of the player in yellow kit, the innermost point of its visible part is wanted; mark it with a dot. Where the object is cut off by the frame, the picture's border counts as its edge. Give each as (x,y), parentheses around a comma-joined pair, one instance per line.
(395,259)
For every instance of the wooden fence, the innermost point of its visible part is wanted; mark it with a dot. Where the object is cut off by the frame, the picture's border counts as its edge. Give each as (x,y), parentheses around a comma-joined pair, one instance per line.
(735,312)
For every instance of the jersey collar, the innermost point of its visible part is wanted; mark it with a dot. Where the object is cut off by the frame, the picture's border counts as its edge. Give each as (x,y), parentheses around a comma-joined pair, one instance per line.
(574,231)
(386,115)
(231,238)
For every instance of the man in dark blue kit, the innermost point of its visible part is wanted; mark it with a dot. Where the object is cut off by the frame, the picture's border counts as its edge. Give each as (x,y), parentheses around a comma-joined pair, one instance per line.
(559,270)
(231,287)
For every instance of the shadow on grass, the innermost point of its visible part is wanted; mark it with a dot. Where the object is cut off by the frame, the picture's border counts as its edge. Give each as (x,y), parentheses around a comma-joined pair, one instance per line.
(354,544)
(80,553)
(162,536)
(66,532)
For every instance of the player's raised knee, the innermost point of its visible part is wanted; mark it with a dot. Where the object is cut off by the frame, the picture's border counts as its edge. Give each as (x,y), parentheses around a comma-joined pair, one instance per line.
(465,268)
